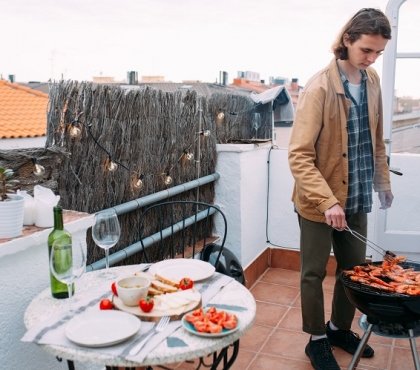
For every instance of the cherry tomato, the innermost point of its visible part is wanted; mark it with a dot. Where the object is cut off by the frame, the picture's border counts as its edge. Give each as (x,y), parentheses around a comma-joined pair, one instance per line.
(106,304)
(146,304)
(230,324)
(186,283)
(114,289)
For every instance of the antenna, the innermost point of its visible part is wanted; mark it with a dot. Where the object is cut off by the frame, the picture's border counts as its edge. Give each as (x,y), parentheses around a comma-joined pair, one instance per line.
(52,61)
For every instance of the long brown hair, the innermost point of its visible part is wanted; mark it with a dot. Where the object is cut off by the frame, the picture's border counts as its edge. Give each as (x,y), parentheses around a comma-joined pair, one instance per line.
(367,21)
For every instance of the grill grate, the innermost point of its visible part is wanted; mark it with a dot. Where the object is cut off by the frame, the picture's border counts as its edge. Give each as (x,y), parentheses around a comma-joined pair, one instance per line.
(359,287)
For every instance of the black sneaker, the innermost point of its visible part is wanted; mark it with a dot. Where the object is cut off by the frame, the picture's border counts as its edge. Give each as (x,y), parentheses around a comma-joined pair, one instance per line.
(320,353)
(347,340)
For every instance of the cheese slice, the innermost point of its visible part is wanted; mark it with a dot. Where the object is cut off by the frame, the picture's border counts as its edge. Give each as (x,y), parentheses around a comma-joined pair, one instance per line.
(177,300)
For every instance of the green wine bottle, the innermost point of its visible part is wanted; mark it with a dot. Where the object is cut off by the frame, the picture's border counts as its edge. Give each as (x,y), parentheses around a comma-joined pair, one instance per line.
(58,289)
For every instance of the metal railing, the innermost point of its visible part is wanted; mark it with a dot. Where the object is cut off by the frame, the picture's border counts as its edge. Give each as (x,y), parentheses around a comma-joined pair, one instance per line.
(139,203)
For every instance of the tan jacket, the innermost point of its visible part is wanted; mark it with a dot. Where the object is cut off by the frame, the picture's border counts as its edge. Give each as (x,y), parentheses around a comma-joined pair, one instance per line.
(318,144)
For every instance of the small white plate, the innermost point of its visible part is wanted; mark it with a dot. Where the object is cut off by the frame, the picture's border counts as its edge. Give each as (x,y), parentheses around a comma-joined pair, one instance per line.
(102,328)
(190,328)
(178,268)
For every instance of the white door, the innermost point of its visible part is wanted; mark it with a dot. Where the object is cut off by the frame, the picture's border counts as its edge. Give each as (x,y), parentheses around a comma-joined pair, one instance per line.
(398,228)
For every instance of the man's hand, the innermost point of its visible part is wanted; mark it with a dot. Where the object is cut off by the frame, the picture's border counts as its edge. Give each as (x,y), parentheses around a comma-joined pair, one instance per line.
(385,197)
(335,217)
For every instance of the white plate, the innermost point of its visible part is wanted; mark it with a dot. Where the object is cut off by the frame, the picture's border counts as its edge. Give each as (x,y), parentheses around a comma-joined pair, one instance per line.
(102,328)
(178,268)
(190,328)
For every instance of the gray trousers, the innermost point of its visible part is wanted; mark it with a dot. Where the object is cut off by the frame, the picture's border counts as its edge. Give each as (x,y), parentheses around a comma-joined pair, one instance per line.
(315,246)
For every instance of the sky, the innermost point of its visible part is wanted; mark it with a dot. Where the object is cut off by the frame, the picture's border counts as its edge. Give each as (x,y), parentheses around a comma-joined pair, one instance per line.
(186,39)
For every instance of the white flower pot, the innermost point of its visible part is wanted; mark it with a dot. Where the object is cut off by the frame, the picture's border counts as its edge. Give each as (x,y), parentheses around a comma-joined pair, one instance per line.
(11,217)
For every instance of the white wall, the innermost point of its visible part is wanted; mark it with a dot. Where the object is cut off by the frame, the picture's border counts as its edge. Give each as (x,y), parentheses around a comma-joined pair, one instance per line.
(26,142)
(24,273)
(283,229)
(241,193)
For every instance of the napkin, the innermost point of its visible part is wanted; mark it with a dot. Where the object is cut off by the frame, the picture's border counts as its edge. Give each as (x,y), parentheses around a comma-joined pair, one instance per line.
(45,201)
(154,341)
(29,208)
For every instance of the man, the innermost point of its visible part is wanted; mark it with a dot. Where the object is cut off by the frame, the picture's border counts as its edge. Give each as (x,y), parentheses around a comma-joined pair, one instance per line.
(337,155)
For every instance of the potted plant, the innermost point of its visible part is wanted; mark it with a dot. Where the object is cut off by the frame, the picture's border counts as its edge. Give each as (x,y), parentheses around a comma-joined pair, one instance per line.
(11,205)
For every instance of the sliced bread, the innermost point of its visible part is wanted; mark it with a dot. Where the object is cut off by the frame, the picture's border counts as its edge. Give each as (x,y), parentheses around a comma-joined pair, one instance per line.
(166,280)
(165,288)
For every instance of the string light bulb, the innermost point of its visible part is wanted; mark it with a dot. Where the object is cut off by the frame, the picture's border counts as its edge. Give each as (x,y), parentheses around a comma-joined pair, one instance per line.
(75,131)
(110,165)
(137,182)
(39,170)
(205,133)
(188,155)
(220,117)
(168,179)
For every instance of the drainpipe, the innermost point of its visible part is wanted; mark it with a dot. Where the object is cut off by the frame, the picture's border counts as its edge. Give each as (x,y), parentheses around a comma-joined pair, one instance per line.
(273,130)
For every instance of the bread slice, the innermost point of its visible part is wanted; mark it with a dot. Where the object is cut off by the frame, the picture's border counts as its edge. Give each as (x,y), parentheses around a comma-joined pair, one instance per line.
(165,288)
(167,281)
(153,291)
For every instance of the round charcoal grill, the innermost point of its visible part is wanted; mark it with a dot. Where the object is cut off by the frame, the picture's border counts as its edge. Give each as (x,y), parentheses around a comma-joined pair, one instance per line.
(382,306)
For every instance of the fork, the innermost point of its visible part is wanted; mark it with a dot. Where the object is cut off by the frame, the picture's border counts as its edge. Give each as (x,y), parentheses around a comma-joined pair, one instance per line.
(161,325)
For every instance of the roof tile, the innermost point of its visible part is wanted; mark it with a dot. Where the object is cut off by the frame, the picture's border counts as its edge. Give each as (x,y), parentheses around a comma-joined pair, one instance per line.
(23,111)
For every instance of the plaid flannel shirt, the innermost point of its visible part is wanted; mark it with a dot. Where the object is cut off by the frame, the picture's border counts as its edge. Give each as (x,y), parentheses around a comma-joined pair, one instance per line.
(360,154)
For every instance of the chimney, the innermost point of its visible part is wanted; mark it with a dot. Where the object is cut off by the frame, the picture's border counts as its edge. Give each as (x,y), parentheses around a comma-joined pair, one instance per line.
(132,78)
(294,85)
(12,78)
(225,78)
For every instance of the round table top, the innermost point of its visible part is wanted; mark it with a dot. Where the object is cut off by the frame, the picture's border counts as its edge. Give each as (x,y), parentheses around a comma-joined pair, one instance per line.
(44,306)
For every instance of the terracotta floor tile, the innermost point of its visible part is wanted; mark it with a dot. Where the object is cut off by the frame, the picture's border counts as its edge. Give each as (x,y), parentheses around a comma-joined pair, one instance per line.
(255,338)
(378,361)
(328,300)
(329,283)
(267,362)
(282,276)
(405,343)
(269,314)
(273,293)
(292,320)
(286,343)
(402,358)
(244,360)
(190,365)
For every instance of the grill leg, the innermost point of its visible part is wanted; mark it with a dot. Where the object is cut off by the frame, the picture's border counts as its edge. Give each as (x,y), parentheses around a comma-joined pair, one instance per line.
(356,357)
(414,349)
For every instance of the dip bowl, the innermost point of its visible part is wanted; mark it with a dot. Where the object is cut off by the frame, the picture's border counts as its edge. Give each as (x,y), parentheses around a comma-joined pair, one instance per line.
(133,288)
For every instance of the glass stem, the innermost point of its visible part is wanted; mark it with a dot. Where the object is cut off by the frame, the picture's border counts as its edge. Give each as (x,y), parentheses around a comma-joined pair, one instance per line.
(70,290)
(106,259)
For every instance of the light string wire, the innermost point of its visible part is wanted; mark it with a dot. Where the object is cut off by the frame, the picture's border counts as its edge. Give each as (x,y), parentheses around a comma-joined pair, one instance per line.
(77,123)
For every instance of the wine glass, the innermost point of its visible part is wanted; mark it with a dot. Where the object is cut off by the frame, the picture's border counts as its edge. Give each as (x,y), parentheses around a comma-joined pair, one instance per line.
(68,262)
(106,233)
(256,123)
